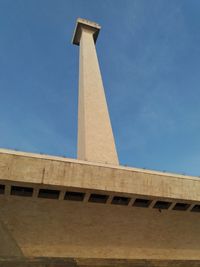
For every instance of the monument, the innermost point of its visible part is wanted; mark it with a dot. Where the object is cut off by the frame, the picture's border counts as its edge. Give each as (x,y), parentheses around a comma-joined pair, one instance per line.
(95,137)
(90,211)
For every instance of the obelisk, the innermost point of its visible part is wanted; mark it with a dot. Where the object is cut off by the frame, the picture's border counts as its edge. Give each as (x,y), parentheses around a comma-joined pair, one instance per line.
(95,137)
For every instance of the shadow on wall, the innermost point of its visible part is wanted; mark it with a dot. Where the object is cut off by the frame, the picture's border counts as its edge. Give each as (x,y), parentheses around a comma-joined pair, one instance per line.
(52,228)
(8,245)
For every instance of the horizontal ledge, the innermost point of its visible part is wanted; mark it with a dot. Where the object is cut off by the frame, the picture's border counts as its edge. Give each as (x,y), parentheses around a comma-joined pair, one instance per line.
(98,164)
(19,167)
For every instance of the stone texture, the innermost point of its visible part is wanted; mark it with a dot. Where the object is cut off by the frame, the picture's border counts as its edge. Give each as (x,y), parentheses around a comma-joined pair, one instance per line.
(63,172)
(95,137)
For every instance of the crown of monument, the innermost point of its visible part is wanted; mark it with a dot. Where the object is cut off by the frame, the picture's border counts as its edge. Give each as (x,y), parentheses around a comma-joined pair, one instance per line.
(87,24)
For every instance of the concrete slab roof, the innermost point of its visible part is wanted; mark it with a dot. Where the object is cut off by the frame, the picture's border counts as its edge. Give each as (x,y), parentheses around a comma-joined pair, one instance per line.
(62,173)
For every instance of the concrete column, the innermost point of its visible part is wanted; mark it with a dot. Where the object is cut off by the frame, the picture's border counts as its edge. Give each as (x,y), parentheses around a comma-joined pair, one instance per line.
(95,137)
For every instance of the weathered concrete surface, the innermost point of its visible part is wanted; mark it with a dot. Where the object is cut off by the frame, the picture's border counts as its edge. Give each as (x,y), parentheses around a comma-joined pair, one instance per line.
(95,137)
(33,228)
(8,245)
(51,228)
(61,229)
(62,172)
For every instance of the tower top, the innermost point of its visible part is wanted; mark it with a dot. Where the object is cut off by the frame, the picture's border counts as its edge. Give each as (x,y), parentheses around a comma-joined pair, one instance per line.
(86,24)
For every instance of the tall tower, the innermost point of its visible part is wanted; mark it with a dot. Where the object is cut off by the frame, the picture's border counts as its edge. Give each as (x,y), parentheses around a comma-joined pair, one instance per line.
(95,137)
(56,211)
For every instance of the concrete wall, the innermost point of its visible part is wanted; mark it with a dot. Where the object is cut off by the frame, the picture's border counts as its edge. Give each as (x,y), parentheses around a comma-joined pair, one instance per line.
(32,228)
(52,228)
(62,172)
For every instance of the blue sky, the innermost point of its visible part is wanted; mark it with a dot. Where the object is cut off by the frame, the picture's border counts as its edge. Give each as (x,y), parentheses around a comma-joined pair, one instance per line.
(149,53)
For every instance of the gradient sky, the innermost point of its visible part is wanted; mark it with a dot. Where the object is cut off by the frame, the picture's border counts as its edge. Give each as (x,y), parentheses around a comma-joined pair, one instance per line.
(149,53)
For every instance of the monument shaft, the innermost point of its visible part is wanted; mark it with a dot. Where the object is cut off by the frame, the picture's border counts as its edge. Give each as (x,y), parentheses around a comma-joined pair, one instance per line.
(95,136)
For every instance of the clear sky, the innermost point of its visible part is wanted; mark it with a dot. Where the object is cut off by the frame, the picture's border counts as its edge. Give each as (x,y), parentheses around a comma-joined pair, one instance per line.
(149,53)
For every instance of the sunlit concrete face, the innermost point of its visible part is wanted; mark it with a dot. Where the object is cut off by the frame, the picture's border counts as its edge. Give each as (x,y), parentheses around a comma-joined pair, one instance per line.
(95,137)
